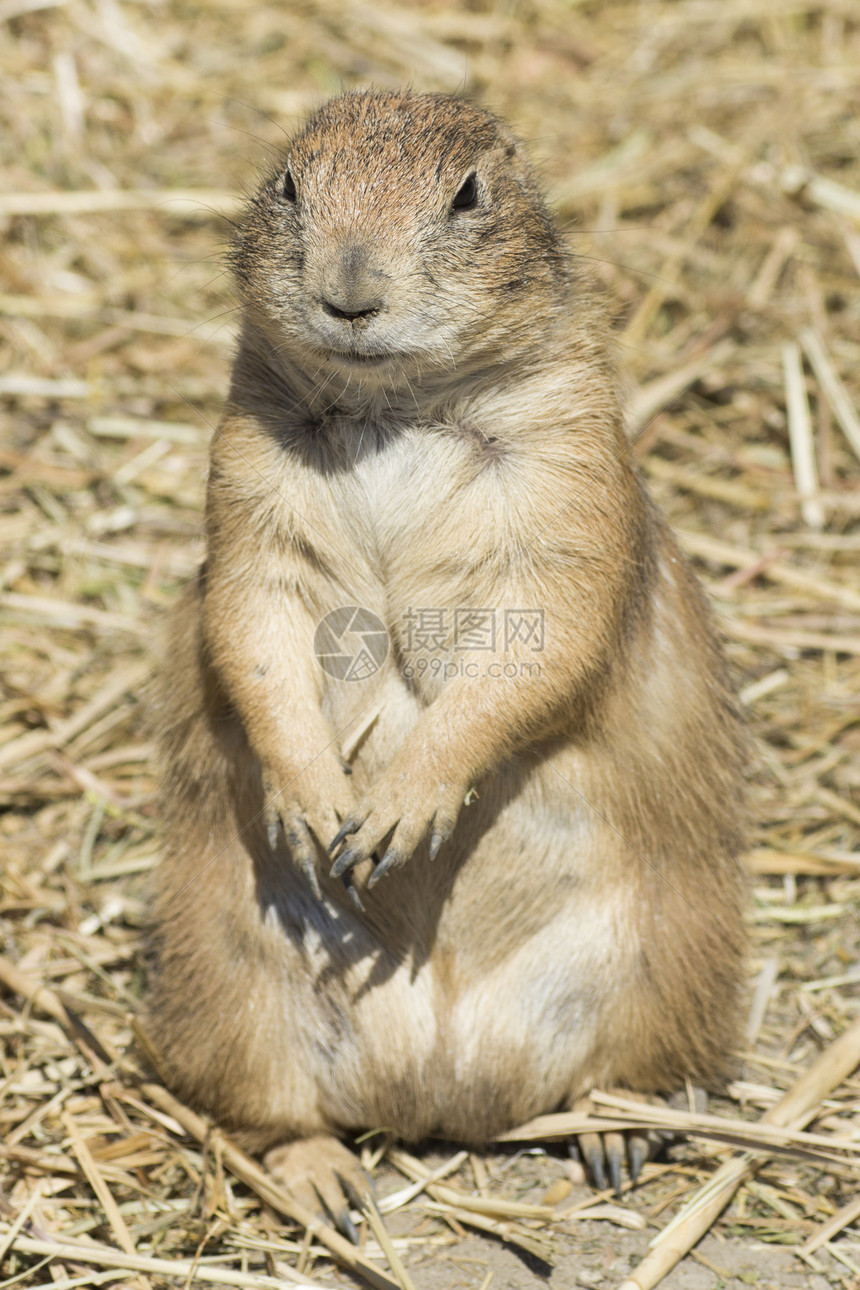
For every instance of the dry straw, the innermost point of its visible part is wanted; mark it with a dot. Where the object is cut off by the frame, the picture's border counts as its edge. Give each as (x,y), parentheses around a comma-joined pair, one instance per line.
(704,157)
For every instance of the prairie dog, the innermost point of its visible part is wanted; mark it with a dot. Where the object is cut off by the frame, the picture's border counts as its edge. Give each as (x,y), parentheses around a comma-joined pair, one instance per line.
(547,759)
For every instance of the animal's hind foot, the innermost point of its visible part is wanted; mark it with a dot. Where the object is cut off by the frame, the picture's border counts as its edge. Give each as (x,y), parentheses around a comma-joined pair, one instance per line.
(323,1175)
(607,1153)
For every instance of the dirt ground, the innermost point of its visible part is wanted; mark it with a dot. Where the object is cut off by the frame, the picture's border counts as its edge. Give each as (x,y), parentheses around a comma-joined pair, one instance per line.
(603,1254)
(705,156)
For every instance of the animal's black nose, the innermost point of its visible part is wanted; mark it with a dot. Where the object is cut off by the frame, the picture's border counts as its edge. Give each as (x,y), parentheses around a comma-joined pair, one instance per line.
(366,309)
(353,288)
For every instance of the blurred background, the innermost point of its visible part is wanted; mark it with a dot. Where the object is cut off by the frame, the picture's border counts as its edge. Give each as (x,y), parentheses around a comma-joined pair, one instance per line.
(704,156)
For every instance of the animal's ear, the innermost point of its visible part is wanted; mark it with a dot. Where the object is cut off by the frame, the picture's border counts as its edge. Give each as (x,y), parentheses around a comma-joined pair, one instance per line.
(508,141)
(512,152)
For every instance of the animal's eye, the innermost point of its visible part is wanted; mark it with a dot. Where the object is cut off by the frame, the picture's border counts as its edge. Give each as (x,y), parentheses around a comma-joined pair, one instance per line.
(289,187)
(466,196)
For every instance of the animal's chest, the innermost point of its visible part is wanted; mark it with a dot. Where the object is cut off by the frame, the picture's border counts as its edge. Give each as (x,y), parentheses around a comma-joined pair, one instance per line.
(400,492)
(425,512)
(413,540)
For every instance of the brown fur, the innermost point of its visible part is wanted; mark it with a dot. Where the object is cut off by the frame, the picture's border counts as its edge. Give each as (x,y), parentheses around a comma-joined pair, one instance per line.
(424,414)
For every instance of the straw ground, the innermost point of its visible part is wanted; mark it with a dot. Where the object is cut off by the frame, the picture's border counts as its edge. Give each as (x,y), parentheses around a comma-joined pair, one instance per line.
(704,154)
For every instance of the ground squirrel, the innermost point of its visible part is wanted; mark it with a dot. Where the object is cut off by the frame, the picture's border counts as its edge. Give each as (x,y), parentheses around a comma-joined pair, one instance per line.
(441,634)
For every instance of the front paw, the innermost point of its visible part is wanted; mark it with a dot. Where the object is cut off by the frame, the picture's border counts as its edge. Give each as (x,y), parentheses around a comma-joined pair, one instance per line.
(401,815)
(308,810)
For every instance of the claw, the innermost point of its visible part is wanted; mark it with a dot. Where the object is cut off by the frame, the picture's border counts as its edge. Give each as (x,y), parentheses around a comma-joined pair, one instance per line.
(345,861)
(272,819)
(349,826)
(592,1150)
(271,815)
(439,838)
(637,1153)
(308,868)
(351,891)
(340,1218)
(390,860)
(303,851)
(351,1192)
(346,1227)
(614,1147)
(358,1201)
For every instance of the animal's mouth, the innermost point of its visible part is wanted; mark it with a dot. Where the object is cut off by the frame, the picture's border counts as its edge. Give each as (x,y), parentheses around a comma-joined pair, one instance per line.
(364,360)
